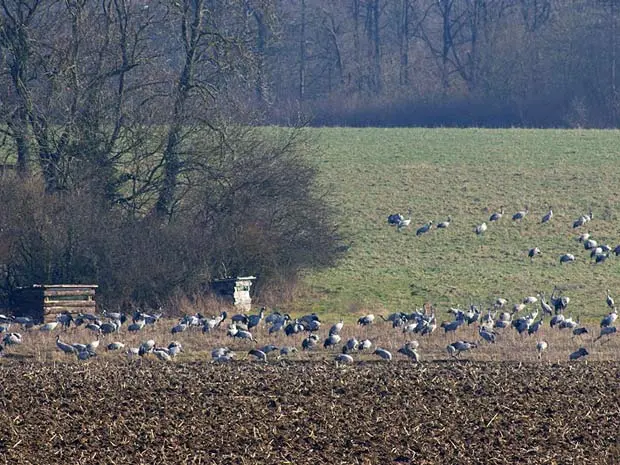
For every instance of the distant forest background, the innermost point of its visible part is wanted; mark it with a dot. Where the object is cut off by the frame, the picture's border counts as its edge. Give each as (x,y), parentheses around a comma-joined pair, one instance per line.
(540,63)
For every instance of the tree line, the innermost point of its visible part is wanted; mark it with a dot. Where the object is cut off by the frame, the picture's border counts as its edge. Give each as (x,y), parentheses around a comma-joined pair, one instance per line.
(541,63)
(138,163)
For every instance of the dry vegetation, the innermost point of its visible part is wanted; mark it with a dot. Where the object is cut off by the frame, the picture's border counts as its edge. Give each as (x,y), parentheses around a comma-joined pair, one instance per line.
(499,405)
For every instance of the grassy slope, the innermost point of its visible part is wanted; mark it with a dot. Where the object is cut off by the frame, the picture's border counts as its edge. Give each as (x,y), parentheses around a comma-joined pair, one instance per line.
(467,173)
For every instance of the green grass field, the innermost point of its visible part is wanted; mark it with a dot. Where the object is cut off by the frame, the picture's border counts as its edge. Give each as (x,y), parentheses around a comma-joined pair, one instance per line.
(468,174)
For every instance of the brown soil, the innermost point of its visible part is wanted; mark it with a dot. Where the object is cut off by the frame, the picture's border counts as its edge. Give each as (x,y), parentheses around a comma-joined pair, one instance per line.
(106,412)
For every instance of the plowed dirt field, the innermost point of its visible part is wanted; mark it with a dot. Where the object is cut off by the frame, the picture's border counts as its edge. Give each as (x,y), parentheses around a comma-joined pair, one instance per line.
(452,412)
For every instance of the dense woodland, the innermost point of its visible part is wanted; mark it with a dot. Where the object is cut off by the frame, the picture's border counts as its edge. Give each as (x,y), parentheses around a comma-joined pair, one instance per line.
(133,126)
(541,63)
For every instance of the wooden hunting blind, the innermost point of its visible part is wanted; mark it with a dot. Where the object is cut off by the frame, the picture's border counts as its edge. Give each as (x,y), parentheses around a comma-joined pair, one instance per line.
(235,291)
(43,302)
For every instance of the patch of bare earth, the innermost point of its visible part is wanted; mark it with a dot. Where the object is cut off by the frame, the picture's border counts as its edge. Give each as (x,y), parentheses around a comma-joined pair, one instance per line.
(302,412)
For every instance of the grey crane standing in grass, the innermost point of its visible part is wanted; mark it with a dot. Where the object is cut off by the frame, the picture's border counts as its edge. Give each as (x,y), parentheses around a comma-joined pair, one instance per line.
(336,328)
(533,252)
(567,258)
(480,229)
(366,320)
(496,216)
(146,347)
(254,320)
(547,217)
(351,345)
(331,341)
(404,222)
(534,327)
(609,319)
(424,229)
(541,346)
(444,224)
(546,308)
(518,216)
(410,350)
(457,347)
(606,331)
(610,301)
(66,348)
(487,335)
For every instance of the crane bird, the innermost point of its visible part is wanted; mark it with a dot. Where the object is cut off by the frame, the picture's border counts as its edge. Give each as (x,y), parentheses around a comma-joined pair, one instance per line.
(49,327)
(162,354)
(580,331)
(496,216)
(310,342)
(606,331)
(286,350)
(364,344)
(86,354)
(175,348)
(590,244)
(259,355)
(404,222)
(480,229)
(547,217)
(609,319)
(64,319)
(146,347)
(567,258)
(384,354)
(343,358)
(66,348)
(12,339)
(366,320)
(220,352)
(445,224)
(534,327)
(582,352)
(410,350)
(351,345)
(457,347)
(136,326)
(336,328)
(395,219)
(254,320)
(541,346)
(610,301)
(425,228)
(115,346)
(110,327)
(332,340)
(518,216)
(534,252)
(179,328)
(487,335)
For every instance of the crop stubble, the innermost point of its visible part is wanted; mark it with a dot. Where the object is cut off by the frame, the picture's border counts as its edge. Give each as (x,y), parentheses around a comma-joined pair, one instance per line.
(309,412)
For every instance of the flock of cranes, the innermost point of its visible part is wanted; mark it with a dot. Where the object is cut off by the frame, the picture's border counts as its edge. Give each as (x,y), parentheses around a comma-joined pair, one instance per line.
(305,332)
(598,252)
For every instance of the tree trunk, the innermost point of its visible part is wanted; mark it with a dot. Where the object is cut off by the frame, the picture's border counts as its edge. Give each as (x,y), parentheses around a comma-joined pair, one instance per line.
(191,25)
(404,43)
